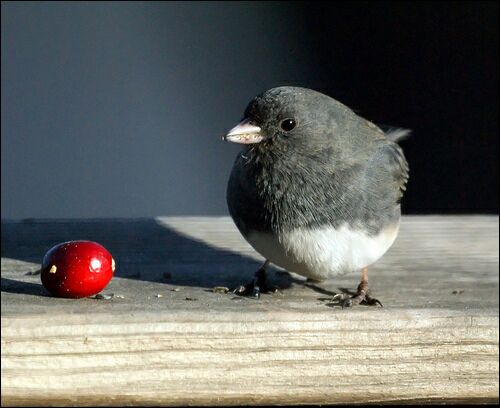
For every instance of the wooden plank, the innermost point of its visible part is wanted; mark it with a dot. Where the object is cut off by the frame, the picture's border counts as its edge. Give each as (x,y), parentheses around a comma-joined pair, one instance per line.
(436,339)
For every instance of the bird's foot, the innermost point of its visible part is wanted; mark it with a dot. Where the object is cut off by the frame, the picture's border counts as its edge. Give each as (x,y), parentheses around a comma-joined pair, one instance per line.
(253,290)
(360,298)
(249,290)
(257,286)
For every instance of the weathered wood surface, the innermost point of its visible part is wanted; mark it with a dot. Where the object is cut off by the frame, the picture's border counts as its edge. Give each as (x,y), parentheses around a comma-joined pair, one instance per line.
(436,339)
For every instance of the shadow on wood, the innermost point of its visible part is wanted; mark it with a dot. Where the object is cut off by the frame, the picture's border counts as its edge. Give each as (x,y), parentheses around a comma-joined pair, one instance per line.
(143,250)
(26,288)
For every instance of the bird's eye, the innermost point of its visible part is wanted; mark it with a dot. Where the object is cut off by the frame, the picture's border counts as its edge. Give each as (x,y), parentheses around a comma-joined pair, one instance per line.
(288,124)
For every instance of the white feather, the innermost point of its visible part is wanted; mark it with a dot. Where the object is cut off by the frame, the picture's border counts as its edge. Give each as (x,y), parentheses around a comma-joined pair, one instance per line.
(397,134)
(324,252)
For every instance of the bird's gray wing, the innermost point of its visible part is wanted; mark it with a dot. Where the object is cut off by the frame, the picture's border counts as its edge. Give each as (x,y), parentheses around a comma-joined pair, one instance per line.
(390,162)
(392,159)
(388,169)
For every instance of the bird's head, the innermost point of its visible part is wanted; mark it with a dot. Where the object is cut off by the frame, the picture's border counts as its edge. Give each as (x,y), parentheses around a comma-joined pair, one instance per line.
(286,117)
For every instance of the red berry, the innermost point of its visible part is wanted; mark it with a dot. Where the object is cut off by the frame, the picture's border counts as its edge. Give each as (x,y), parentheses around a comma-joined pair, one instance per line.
(77,269)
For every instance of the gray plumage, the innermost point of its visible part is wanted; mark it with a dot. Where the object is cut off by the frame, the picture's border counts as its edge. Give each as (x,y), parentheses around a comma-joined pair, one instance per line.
(333,168)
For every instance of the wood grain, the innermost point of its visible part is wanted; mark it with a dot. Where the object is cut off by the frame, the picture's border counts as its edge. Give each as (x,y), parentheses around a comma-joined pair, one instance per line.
(436,339)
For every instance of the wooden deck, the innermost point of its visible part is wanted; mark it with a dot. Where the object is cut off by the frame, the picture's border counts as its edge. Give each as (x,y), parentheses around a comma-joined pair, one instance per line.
(165,338)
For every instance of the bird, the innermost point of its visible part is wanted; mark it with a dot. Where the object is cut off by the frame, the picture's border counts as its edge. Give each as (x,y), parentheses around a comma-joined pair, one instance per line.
(316,189)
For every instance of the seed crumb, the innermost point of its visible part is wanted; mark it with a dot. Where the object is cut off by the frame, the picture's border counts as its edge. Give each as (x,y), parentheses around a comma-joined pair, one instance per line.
(101,296)
(220,289)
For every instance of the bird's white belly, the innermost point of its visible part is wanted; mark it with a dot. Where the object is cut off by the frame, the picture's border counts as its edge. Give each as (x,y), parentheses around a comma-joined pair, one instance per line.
(323,252)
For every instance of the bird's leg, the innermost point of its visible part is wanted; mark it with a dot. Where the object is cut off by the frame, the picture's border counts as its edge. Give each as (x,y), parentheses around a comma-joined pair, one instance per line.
(257,286)
(362,294)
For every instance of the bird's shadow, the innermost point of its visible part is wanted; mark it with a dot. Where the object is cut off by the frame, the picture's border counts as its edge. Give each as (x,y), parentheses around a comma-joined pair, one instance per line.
(143,250)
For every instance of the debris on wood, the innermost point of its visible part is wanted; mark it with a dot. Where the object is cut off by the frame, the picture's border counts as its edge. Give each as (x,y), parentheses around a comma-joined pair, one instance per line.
(101,296)
(220,289)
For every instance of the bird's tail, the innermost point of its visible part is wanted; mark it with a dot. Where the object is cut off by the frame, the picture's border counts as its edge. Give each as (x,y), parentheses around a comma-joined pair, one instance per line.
(397,134)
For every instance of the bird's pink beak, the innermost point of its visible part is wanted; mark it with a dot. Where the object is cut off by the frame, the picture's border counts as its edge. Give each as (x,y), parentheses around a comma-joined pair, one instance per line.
(245,132)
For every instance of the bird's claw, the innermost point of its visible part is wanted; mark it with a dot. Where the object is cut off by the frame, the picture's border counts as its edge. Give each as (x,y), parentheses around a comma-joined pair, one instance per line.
(372,301)
(343,300)
(253,290)
(249,290)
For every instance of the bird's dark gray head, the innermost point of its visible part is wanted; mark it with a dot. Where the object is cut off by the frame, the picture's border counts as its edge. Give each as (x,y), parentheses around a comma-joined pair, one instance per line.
(287,117)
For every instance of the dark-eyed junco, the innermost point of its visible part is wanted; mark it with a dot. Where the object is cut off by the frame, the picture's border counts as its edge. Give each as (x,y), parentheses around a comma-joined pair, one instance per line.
(317,189)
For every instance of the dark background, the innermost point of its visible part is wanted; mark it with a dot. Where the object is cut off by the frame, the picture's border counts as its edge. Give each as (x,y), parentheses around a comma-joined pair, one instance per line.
(114,109)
